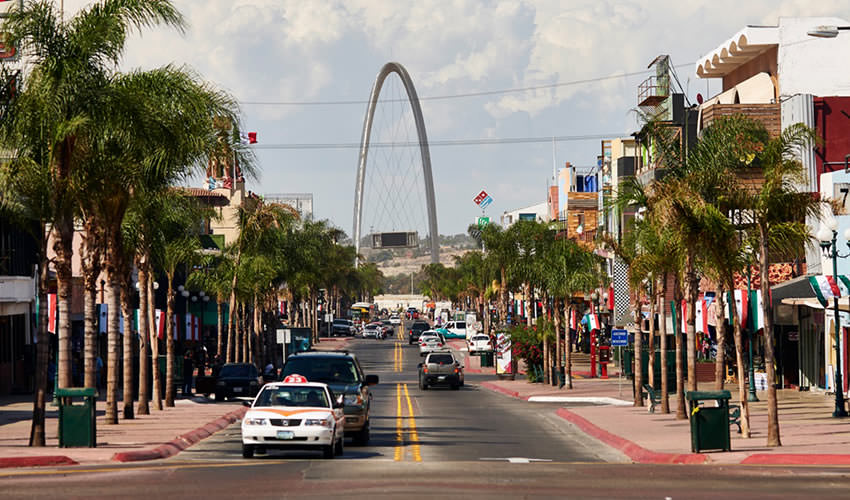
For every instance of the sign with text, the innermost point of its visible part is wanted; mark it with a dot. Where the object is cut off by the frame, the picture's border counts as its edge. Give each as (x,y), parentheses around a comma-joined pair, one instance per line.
(482,221)
(619,338)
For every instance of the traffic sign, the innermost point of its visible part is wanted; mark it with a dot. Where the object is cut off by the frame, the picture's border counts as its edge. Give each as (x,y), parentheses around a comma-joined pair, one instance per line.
(619,338)
(482,221)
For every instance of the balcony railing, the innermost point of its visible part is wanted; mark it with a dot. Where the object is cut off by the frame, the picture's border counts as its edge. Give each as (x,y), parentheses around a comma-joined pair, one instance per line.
(653,91)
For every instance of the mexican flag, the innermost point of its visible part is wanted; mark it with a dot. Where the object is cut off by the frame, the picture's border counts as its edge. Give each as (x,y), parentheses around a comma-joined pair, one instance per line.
(592,321)
(827,287)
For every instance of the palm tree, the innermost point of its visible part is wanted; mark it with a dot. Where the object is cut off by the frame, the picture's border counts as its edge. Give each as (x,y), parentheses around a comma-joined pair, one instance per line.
(500,253)
(62,105)
(779,211)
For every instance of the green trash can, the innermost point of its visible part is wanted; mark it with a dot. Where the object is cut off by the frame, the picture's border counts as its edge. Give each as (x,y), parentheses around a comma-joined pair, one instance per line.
(77,421)
(709,411)
(487,359)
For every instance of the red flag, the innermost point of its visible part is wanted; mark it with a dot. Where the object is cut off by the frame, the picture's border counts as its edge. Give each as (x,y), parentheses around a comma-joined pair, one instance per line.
(252,137)
(51,312)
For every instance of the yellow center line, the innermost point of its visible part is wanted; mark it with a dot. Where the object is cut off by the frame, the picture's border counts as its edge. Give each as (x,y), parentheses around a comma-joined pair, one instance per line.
(414,436)
(399,436)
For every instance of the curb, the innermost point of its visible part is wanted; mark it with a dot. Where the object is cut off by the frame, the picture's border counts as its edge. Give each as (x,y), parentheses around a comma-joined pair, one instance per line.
(796,459)
(181,442)
(635,452)
(43,461)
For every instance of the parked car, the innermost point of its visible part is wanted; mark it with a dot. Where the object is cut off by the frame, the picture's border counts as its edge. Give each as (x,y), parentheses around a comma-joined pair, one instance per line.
(432,341)
(416,330)
(341,371)
(479,343)
(440,368)
(314,419)
(455,330)
(236,380)
(343,328)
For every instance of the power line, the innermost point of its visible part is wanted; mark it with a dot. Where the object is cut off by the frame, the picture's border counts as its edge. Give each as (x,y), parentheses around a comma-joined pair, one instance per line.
(447,142)
(460,96)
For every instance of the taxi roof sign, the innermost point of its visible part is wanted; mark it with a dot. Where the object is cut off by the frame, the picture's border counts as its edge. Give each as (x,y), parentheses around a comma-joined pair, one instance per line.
(295,379)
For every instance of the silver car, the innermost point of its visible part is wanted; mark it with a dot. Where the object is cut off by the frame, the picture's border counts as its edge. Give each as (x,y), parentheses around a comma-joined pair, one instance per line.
(431,341)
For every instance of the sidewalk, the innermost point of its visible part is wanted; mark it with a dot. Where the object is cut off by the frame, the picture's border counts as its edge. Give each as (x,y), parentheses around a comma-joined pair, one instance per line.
(158,435)
(809,433)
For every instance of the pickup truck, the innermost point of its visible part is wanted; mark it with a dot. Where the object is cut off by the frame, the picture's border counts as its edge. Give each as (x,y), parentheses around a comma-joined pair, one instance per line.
(440,368)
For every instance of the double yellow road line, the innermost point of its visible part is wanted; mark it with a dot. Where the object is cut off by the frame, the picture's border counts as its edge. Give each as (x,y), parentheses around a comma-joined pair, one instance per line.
(398,357)
(405,435)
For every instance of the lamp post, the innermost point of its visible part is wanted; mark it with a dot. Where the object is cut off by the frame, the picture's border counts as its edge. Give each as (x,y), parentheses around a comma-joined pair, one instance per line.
(828,236)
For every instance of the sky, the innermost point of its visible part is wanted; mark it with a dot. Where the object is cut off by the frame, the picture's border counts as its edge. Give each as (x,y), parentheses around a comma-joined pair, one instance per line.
(296,66)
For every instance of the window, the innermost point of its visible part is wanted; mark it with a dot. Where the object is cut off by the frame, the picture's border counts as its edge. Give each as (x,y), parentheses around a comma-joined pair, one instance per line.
(441,359)
(320,369)
(293,396)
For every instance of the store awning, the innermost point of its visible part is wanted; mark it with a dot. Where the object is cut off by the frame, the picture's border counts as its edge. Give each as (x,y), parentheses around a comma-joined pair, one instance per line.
(843,303)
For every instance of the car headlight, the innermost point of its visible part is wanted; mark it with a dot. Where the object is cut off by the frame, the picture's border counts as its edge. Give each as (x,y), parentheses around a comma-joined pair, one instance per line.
(324,422)
(353,399)
(255,421)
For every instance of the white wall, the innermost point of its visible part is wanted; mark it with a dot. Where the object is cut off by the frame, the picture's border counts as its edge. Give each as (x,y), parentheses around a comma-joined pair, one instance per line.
(810,65)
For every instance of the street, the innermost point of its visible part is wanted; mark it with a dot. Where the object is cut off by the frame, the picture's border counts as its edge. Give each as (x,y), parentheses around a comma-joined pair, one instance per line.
(471,442)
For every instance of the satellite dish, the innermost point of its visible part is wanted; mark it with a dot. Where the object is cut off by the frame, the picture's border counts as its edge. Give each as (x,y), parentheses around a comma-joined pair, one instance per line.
(699,98)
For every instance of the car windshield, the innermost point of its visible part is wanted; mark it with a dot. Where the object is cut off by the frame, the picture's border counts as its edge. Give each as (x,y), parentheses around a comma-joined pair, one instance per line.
(244,371)
(293,396)
(336,370)
(419,326)
(441,359)
(460,324)
(344,322)
(480,337)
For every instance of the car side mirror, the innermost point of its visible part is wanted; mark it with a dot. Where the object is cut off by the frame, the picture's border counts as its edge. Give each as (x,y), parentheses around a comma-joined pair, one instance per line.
(371,380)
(247,403)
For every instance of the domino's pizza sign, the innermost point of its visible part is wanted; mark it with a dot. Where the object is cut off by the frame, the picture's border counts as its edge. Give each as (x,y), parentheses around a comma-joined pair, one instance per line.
(483,199)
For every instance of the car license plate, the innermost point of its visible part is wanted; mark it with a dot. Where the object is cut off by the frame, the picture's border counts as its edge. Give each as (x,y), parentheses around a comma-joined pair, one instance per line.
(441,377)
(285,435)
(237,389)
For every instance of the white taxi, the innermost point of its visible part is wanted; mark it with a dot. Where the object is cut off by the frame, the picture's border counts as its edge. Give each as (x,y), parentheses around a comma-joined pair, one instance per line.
(294,414)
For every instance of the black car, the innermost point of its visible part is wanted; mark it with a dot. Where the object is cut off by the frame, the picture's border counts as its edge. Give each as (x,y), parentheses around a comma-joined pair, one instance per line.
(416,330)
(237,379)
(343,328)
(342,372)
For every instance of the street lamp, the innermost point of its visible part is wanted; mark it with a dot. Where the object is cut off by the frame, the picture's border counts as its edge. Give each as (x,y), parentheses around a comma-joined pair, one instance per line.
(828,236)
(826,31)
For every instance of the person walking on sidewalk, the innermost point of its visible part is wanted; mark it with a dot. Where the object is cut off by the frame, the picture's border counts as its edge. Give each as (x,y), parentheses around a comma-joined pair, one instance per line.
(188,372)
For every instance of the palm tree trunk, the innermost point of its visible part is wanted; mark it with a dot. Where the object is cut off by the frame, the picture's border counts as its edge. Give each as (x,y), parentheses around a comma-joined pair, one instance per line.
(243,331)
(144,335)
(314,300)
(503,295)
(528,301)
(557,320)
(568,359)
(219,315)
(90,332)
(231,329)
(156,392)
(169,344)
(720,359)
(638,349)
(691,292)
(650,373)
(37,432)
(129,336)
(63,236)
(113,292)
(259,343)
(661,292)
(681,413)
(739,359)
(769,356)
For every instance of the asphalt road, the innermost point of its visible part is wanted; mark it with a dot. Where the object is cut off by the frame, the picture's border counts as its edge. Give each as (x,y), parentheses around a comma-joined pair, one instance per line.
(435,443)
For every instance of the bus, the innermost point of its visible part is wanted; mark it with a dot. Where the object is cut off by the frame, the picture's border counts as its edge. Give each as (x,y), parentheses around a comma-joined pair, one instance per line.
(362,313)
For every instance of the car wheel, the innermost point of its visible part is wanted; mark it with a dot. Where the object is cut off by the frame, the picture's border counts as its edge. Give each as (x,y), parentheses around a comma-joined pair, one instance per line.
(340,446)
(220,397)
(328,451)
(247,451)
(362,437)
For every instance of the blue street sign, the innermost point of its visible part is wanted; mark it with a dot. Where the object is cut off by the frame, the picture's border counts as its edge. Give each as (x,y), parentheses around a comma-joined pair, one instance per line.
(619,338)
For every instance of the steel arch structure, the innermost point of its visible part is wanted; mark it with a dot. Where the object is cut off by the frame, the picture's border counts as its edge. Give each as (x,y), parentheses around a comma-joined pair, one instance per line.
(398,69)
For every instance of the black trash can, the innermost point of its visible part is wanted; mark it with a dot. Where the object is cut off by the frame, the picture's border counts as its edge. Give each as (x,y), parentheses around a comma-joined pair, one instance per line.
(77,421)
(487,359)
(709,422)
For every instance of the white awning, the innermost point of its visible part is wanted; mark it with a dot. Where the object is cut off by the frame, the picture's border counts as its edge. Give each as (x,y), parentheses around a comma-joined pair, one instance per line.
(843,303)
(758,89)
(743,47)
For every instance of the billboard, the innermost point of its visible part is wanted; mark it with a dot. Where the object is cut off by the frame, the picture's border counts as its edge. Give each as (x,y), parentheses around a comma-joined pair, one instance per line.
(395,240)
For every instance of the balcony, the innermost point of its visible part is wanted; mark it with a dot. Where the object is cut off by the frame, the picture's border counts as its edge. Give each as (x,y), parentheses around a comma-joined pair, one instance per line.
(768,114)
(653,91)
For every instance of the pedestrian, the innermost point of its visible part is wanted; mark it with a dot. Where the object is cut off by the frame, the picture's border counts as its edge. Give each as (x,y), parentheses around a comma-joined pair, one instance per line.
(216,366)
(188,372)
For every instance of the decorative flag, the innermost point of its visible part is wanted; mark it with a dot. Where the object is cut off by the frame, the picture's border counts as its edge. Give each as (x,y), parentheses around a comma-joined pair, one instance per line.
(136,320)
(757,313)
(827,287)
(573,319)
(174,327)
(188,319)
(196,328)
(741,306)
(701,316)
(250,138)
(709,298)
(121,324)
(159,319)
(611,297)
(51,312)
(592,321)
(684,316)
(102,317)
